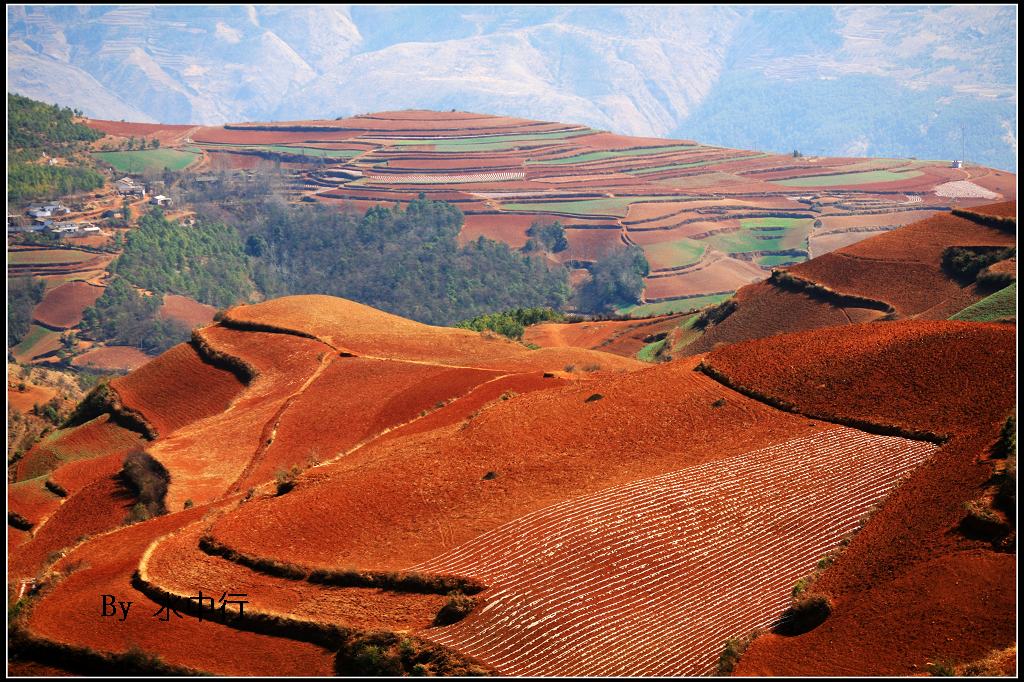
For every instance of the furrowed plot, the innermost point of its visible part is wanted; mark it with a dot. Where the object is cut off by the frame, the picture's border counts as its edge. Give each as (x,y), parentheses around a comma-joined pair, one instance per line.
(651,578)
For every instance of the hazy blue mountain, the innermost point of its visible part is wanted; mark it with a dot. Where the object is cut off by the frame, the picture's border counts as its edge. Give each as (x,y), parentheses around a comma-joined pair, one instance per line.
(874,80)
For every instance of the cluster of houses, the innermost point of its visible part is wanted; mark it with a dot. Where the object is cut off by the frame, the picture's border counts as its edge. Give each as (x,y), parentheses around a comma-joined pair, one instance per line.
(128,187)
(43,219)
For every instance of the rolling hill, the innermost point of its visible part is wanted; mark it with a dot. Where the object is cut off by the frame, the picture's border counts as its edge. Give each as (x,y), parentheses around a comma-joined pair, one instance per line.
(390,497)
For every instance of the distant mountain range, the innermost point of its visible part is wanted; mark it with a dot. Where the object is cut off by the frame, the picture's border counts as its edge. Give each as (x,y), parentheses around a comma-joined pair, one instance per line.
(874,80)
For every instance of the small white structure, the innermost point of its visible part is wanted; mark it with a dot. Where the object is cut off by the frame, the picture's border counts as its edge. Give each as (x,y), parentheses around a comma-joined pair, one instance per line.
(127,186)
(957,163)
(160,200)
(64,227)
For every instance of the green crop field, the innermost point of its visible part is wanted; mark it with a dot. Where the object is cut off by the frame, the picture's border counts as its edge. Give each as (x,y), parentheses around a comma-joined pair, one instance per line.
(763,234)
(36,338)
(681,305)
(148,159)
(674,254)
(647,353)
(313,152)
(489,142)
(612,206)
(1001,305)
(597,156)
(47,256)
(694,164)
(865,178)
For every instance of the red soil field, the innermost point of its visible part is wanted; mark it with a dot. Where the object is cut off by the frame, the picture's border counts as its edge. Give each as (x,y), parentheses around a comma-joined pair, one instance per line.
(910,568)
(225,136)
(24,401)
(68,614)
(333,414)
(765,310)
(460,409)
(31,500)
(863,371)
(591,245)
(205,457)
(97,508)
(469,162)
(112,357)
(622,337)
(177,565)
(957,607)
(652,577)
(186,310)
(95,438)
(405,500)
(166,133)
(366,332)
(1006,209)
(713,275)
(63,306)
(510,229)
(166,390)
(903,267)
(75,475)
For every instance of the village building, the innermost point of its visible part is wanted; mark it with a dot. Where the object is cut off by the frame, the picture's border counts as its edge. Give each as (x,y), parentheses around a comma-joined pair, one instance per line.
(160,200)
(128,187)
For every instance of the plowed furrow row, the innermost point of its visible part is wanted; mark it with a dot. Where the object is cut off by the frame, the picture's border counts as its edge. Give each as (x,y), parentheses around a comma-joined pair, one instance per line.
(651,577)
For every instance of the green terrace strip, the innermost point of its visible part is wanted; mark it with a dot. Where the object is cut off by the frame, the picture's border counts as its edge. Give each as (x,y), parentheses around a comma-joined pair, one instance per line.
(649,353)
(612,206)
(595,156)
(284,149)
(35,335)
(488,139)
(763,234)
(681,305)
(865,178)
(1001,305)
(674,254)
(149,159)
(694,164)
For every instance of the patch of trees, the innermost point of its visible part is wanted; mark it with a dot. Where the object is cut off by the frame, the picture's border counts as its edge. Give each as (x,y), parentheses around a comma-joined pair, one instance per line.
(511,323)
(33,125)
(406,262)
(35,128)
(30,181)
(125,317)
(616,279)
(548,237)
(205,261)
(23,293)
(148,479)
(963,263)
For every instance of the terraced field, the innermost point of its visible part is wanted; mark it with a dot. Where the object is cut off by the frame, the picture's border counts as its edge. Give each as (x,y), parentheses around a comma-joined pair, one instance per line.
(148,160)
(511,171)
(344,468)
(652,577)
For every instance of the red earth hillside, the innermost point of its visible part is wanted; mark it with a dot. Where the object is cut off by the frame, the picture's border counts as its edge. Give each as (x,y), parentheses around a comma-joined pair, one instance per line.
(898,274)
(911,569)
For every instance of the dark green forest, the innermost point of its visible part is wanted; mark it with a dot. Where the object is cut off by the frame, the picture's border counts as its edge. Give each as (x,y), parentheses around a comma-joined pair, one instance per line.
(34,128)
(23,293)
(125,317)
(512,323)
(406,262)
(205,261)
(616,279)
